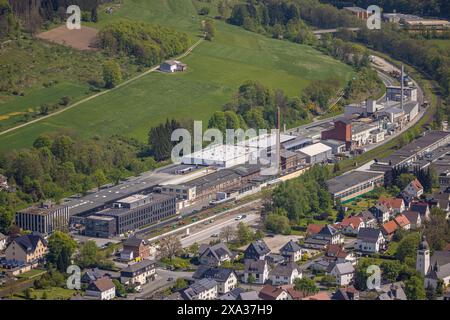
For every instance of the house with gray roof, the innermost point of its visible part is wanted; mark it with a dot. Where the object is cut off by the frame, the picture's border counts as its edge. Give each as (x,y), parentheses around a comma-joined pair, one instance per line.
(291,251)
(232,295)
(392,291)
(370,240)
(138,273)
(226,278)
(215,255)
(257,250)
(343,272)
(284,274)
(203,289)
(256,269)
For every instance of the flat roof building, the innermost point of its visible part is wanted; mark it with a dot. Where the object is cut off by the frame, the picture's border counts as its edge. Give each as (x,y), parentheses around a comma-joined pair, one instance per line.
(316,153)
(44,218)
(100,227)
(139,211)
(354,184)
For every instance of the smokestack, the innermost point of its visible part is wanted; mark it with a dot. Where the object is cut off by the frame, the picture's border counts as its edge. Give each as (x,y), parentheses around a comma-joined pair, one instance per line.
(402,87)
(279,139)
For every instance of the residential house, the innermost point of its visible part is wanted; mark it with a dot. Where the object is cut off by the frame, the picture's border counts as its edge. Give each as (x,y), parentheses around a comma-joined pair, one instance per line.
(285,274)
(249,295)
(92,275)
(397,205)
(259,269)
(402,222)
(414,219)
(329,234)
(413,190)
(291,251)
(369,219)
(370,240)
(103,289)
(381,212)
(347,293)
(26,249)
(337,253)
(351,225)
(392,291)
(441,200)
(422,208)
(135,248)
(344,273)
(225,278)
(3,239)
(389,229)
(214,255)
(232,295)
(257,250)
(138,273)
(203,289)
(313,228)
(269,292)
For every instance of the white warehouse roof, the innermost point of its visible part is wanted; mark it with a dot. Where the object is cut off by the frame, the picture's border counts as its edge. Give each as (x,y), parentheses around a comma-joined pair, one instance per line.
(315,149)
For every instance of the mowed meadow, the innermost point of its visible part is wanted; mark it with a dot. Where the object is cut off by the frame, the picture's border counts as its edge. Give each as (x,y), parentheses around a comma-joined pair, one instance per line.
(216,70)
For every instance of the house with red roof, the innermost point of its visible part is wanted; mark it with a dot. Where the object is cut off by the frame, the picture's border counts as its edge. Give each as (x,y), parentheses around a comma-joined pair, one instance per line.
(269,292)
(313,228)
(351,225)
(389,229)
(402,222)
(396,205)
(413,190)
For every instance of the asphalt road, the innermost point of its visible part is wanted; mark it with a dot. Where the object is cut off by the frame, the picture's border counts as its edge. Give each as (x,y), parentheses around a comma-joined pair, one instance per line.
(205,234)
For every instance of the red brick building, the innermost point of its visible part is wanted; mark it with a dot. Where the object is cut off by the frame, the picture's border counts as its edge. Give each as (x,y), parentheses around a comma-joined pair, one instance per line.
(342,131)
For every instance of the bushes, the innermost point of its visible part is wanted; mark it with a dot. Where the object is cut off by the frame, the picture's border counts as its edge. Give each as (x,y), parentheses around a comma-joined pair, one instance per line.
(147,43)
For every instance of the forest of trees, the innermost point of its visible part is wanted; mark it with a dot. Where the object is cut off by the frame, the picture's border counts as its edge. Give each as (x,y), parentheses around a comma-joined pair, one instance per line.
(149,44)
(305,197)
(62,164)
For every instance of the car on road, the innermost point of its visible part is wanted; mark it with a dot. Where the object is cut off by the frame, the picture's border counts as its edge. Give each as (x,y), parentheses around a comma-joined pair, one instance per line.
(238,218)
(215,235)
(170,279)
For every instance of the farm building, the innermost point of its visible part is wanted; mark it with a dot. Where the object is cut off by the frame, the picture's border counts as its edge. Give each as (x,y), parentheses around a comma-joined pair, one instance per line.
(172,66)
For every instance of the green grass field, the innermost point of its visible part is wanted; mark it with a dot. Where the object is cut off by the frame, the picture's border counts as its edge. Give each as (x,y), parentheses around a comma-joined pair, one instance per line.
(216,69)
(442,43)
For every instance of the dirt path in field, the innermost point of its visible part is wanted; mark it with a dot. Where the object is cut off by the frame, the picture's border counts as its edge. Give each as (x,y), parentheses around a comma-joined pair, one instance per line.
(153,69)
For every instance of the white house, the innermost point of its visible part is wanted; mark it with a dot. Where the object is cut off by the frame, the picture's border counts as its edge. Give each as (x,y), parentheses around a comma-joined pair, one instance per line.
(259,269)
(291,251)
(344,273)
(2,241)
(103,288)
(369,240)
(226,278)
(285,274)
(138,273)
(351,225)
(413,190)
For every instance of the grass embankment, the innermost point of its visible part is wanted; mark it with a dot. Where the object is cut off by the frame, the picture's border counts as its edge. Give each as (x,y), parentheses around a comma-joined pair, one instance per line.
(216,69)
